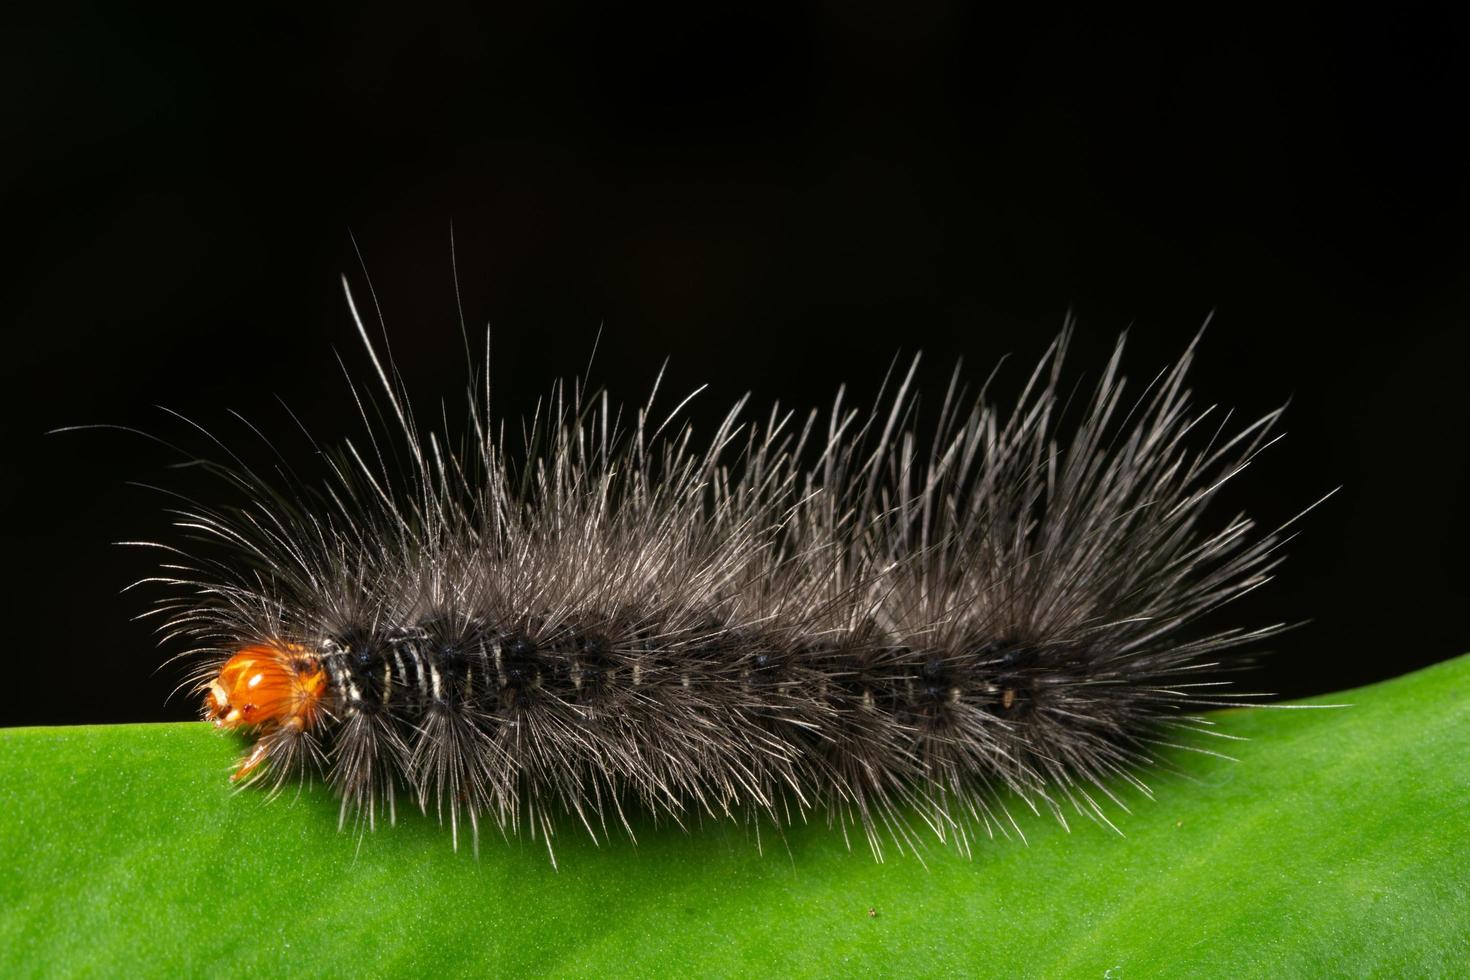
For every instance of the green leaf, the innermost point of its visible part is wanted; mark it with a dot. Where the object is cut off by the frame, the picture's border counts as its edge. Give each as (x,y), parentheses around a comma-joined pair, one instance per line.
(1336,845)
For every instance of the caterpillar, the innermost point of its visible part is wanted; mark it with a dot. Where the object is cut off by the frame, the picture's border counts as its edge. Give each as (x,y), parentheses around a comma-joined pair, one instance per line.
(797,615)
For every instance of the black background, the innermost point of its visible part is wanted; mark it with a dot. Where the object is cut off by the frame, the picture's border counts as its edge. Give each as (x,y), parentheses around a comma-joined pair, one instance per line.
(777,201)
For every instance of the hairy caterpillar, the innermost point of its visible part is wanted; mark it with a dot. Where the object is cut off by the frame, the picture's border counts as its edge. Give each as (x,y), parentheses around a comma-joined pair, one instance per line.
(805,614)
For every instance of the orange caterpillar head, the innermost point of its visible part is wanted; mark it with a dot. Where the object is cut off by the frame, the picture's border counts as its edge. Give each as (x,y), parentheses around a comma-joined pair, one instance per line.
(268,687)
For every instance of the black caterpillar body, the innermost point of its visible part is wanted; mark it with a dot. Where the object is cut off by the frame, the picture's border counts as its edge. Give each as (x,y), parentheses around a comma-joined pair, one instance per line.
(815,615)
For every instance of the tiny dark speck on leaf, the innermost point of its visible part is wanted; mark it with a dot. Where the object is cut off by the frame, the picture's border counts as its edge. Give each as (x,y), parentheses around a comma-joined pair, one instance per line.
(872,912)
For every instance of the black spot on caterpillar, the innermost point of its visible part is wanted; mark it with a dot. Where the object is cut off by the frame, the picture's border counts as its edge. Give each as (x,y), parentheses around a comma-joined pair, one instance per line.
(818,613)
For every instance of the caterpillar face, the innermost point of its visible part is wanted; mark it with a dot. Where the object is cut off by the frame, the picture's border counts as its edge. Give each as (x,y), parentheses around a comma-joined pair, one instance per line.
(266,687)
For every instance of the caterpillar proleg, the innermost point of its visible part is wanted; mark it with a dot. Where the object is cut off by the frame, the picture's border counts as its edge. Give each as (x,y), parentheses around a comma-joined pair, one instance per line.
(788,616)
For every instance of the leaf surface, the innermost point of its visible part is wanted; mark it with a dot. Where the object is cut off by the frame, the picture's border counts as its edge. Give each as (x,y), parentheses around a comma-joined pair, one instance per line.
(1338,844)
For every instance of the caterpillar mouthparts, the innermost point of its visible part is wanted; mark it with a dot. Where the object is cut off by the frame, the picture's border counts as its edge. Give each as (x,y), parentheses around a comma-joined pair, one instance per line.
(806,614)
